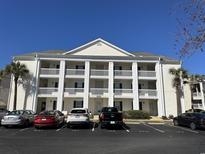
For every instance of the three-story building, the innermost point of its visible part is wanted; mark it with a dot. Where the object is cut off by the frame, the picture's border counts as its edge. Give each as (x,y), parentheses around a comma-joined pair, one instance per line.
(95,75)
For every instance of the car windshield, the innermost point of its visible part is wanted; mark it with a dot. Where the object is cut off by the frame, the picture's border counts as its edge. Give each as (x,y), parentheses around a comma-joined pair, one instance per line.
(78,111)
(18,112)
(107,109)
(47,113)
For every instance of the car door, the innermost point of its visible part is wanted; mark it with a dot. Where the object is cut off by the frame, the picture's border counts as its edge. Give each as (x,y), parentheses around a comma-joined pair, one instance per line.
(188,119)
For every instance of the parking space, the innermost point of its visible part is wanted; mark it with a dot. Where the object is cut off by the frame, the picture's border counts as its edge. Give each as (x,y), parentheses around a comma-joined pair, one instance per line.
(144,128)
(142,137)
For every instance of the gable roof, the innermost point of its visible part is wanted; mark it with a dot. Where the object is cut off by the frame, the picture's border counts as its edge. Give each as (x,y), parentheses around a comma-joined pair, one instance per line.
(96,41)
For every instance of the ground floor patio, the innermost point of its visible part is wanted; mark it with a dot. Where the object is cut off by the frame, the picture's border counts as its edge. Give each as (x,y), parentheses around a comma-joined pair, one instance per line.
(96,104)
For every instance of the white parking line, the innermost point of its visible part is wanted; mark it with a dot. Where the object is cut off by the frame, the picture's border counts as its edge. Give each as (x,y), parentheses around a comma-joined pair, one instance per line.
(57,130)
(159,130)
(186,129)
(21,130)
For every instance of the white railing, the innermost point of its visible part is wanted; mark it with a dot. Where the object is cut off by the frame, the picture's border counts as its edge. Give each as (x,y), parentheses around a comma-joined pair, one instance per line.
(146,73)
(99,72)
(122,72)
(197,106)
(49,71)
(74,90)
(47,90)
(197,94)
(122,91)
(98,91)
(75,71)
(147,92)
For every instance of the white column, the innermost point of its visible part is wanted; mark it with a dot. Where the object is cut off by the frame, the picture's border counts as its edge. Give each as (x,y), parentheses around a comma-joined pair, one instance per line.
(182,96)
(202,95)
(86,84)
(160,90)
(36,85)
(61,85)
(135,86)
(110,85)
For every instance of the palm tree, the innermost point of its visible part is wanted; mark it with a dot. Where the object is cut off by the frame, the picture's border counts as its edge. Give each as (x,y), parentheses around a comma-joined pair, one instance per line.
(17,70)
(1,74)
(177,82)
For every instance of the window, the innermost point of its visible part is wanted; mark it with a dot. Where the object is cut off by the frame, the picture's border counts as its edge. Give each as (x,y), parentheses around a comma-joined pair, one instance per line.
(56,84)
(118,105)
(79,84)
(78,104)
(117,67)
(43,106)
(54,105)
(118,85)
(80,67)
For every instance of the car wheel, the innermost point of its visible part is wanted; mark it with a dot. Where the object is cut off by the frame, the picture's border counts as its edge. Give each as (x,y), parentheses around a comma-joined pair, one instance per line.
(193,126)
(176,123)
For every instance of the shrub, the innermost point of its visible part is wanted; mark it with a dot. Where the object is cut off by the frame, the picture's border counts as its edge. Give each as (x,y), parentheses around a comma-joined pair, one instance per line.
(136,114)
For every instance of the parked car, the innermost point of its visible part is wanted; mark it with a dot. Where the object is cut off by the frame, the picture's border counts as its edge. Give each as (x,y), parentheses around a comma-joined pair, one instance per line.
(193,120)
(3,112)
(194,110)
(78,117)
(52,118)
(18,118)
(110,116)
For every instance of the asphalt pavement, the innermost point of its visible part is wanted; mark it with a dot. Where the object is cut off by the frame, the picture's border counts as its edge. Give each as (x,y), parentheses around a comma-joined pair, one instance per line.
(130,139)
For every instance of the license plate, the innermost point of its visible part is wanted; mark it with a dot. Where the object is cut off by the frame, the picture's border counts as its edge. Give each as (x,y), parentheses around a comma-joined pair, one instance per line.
(10,118)
(43,119)
(77,116)
(112,122)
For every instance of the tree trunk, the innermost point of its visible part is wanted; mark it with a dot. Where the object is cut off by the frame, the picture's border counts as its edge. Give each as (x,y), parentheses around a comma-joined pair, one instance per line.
(178,94)
(15,92)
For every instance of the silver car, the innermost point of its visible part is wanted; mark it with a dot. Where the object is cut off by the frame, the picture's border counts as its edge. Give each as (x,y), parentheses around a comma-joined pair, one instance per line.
(3,112)
(18,118)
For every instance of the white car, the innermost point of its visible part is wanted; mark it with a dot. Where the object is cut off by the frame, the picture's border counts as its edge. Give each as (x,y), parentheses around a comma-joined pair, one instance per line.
(78,117)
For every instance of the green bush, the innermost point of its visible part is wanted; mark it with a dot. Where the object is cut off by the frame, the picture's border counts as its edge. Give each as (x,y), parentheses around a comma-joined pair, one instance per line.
(136,114)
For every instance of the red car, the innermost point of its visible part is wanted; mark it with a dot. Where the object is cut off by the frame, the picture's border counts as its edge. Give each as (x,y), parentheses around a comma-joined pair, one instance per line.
(49,119)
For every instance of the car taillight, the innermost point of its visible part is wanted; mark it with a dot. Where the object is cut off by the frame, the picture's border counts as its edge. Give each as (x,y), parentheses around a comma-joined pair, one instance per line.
(37,117)
(102,116)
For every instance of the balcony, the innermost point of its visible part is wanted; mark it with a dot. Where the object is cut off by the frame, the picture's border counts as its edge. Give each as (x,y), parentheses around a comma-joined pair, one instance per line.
(49,71)
(75,72)
(197,95)
(73,92)
(48,91)
(99,92)
(197,106)
(147,93)
(146,74)
(98,73)
(122,73)
(123,93)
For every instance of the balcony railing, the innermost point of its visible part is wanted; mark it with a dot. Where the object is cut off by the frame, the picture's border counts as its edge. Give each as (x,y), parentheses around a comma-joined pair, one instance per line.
(147,93)
(197,94)
(98,91)
(75,71)
(197,106)
(49,71)
(47,90)
(122,72)
(146,73)
(94,72)
(74,90)
(122,91)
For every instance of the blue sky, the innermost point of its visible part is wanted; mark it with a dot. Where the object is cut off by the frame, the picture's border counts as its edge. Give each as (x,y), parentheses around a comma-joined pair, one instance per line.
(133,25)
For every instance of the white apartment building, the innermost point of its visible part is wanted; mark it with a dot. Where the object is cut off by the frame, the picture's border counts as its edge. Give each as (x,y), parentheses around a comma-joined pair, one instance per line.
(95,75)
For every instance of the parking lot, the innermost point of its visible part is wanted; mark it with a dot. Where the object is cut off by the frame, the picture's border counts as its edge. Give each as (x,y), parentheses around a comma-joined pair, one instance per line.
(137,138)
